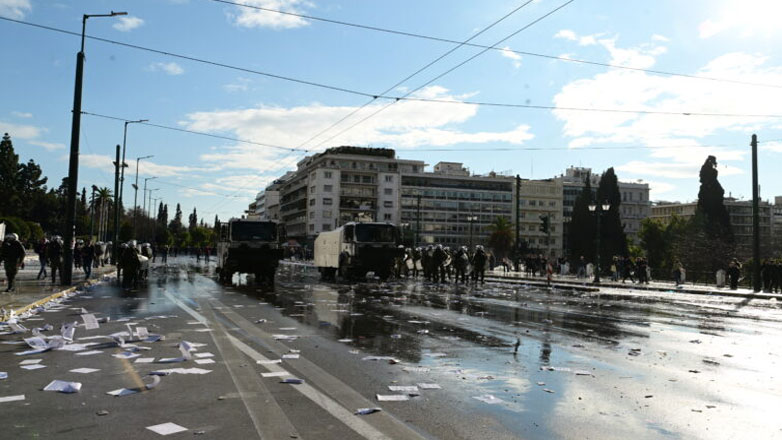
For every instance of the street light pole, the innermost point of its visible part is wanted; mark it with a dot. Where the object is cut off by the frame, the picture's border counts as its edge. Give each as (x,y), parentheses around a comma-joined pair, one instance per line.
(73,164)
(149,214)
(124,143)
(135,192)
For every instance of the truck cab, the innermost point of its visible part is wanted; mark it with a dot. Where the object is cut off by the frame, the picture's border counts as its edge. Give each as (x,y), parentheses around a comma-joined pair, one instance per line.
(354,249)
(249,246)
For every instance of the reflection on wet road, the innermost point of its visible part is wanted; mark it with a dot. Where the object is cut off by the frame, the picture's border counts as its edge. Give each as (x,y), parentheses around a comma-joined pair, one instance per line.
(589,364)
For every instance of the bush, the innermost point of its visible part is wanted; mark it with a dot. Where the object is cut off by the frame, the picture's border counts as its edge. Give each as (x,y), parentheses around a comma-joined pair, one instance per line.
(16,225)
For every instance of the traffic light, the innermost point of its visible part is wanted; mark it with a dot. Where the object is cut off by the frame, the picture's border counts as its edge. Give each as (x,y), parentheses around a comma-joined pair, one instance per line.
(544,224)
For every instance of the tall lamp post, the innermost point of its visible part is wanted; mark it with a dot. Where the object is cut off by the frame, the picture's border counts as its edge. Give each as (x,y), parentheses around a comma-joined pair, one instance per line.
(135,192)
(598,209)
(73,165)
(471,219)
(149,214)
(124,144)
(405,228)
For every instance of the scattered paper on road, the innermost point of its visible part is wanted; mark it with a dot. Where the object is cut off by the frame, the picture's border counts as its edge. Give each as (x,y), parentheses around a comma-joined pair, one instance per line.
(293,380)
(90,322)
(121,392)
(488,398)
(365,411)
(204,361)
(3,375)
(11,398)
(88,353)
(180,371)
(144,360)
(142,333)
(84,370)
(275,374)
(429,386)
(166,428)
(30,361)
(392,397)
(33,367)
(345,340)
(409,390)
(268,362)
(63,386)
(126,355)
(416,369)
(203,355)
(290,356)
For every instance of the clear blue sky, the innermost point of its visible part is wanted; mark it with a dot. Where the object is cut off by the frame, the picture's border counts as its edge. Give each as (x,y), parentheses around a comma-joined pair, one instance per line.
(737,40)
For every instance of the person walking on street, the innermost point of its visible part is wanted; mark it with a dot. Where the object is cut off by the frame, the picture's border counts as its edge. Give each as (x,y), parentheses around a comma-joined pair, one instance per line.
(40,249)
(12,256)
(678,268)
(87,257)
(479,264)
(734,272)
(54,255)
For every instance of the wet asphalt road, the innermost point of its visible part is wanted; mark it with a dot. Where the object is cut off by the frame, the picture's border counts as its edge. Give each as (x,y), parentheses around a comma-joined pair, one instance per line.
(614,364)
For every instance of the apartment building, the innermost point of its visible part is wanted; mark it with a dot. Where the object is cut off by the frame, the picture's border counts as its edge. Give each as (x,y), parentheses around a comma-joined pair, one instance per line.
(537,199)
(452,207)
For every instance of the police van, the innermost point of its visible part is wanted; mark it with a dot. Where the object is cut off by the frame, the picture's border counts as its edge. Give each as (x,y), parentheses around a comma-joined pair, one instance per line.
(354,249)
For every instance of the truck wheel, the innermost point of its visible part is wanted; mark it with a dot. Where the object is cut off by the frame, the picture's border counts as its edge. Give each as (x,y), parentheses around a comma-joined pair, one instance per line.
(344,274)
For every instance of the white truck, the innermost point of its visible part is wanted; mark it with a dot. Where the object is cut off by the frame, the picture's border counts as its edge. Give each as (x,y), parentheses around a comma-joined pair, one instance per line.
(249,246)
(354,249)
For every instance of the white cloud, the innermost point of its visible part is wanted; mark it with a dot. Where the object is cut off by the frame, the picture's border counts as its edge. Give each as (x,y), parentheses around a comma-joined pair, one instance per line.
(407,124)
(743,18)
(171,68)
(508,53)
(20,131)
(249,17)
(240,85)
(566,34)
(49,146)
(774,147)
(25,115)
(15,9)
(127,24)
(146,167)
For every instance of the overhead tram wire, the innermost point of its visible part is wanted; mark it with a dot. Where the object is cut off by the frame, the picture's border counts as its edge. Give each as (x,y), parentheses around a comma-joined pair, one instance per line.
(494,47)
(402,81)
(388,97)
(513,34)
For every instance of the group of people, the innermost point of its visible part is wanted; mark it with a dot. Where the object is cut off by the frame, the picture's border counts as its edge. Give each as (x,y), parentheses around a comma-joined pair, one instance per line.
(86,256)
(771,273)
(441,264)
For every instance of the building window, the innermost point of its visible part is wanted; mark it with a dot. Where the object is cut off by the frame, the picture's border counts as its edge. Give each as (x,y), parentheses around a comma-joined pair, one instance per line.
(389,179)
(326,202)
(366,179)
(388,191)
(312,228)
(312,214)
(327,188)
(312,189)
(312,202)
(327,174)
(387,217)
(388,204)
(326,227)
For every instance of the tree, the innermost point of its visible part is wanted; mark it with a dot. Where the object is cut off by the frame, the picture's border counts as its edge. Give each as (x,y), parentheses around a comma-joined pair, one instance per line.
(581,233)
(193,220)
(501,237)
(613,241)
(9,178)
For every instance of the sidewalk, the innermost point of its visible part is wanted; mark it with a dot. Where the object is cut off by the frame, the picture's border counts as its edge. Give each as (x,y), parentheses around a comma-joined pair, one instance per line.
(660,286)
(31,292)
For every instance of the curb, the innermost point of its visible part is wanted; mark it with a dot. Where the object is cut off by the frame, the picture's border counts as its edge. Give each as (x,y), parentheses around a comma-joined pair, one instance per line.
(56,295)
(672,289)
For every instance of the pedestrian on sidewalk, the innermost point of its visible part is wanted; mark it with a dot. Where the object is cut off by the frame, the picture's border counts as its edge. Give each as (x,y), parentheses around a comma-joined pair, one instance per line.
(678,269)
(40,249)
(54,255)
(615,269)
(12,256)
(87,257)
(734,272)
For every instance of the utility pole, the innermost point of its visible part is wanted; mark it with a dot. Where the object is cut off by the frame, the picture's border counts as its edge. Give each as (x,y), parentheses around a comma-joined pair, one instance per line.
(418,221)
(73,163)
(755,217)
(122,175)
(516,247)
(115,240)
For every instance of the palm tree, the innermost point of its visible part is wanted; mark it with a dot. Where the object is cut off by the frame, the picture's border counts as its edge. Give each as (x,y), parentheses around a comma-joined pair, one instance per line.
(103,202)
(501,237)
